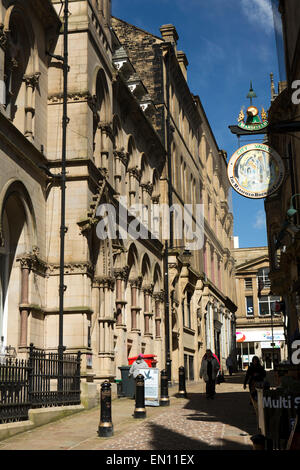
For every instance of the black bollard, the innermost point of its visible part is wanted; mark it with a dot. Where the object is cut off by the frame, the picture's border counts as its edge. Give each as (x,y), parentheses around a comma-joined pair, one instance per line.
(105,428)
(182,389)
(164,395)
(140,410)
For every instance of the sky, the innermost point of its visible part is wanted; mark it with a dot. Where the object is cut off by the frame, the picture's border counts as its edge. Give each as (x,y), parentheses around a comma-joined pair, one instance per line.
(227,43)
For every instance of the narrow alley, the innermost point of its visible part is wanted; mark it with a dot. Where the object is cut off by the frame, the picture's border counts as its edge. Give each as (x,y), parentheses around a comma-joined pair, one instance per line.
(195,423)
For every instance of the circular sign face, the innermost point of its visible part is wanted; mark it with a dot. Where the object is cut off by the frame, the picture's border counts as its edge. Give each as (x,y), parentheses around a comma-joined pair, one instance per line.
(255,171)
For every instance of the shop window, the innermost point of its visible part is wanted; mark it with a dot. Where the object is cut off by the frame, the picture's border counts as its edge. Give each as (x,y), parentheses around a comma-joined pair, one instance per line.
(249,306)
(247,351)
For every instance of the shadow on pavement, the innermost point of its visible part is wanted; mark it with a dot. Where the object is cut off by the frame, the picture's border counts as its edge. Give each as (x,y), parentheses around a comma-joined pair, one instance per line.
(229,408)
(232,409)
(235,378)
(165,439)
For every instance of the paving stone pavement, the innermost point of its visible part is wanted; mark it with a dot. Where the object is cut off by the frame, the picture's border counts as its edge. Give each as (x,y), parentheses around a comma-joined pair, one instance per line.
(195,423)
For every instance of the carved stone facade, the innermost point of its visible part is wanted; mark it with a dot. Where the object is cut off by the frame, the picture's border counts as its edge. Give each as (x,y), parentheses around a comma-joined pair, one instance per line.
(119,150)
(201,280)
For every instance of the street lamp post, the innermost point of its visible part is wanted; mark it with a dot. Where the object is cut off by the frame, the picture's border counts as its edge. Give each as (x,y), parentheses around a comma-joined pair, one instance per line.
(63,228)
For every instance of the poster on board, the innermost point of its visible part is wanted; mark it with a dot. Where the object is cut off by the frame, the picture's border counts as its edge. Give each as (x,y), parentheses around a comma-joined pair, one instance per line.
(151,378)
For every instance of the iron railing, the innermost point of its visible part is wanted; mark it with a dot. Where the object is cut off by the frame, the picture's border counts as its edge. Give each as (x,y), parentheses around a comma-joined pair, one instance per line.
(41,381)
(14,396)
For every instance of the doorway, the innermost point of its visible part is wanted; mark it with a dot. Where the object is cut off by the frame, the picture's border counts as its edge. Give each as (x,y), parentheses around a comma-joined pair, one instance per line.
(270,357)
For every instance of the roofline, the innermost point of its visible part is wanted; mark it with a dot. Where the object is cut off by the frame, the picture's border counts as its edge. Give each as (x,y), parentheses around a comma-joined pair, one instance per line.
(137,27)
(198,100)
(251,248)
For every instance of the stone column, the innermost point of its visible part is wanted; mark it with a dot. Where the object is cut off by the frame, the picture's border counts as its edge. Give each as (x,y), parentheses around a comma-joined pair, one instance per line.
(135,309)
(158,301)
(132,183)
(24,301)
(133,305)
(31,82)
(3,45)
(106,322)
(147,309)
(106,134)
(121,277)
(117,173)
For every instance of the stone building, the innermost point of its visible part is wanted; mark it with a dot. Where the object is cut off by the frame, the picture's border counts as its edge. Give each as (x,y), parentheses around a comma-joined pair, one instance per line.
(283,229)
(259,320)
(136,139)
(201,282)
(28,30)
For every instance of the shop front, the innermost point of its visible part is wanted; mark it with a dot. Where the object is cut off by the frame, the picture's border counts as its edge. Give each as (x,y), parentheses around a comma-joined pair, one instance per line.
(268,345)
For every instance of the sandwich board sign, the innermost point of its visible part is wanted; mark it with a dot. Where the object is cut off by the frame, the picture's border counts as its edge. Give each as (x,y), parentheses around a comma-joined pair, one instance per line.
(151,383)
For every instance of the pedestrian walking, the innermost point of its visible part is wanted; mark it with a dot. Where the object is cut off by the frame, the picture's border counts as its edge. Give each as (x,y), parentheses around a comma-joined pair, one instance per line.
(208,370)
(229,365)
(255,374)
(240,364)
(138,364)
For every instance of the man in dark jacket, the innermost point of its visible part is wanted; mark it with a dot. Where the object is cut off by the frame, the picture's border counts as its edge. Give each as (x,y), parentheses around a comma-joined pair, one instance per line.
(255,373)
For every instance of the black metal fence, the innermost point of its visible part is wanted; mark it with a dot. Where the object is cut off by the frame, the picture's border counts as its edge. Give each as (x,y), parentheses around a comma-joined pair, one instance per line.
(14,390)
(44,380)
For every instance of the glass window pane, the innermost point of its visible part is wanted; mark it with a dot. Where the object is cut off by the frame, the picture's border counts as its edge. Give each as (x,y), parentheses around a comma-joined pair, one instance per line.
(249,306)
(264,308)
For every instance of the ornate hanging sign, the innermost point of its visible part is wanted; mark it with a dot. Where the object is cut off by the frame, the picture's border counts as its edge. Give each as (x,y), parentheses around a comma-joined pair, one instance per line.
(253,122)
(255,171)
(250,122)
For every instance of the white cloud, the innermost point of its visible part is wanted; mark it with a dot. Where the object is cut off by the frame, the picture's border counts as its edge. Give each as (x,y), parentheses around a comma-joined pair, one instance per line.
(260,220)
(259,12)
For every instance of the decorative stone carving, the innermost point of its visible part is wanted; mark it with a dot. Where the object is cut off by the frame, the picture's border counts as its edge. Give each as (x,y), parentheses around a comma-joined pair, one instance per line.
(32,80)
(147,187)
(71,268)
(135,172)
(105,282)
(121,273)
(123,156)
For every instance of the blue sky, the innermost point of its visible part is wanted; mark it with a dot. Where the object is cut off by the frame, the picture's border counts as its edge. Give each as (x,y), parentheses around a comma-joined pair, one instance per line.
(227,43)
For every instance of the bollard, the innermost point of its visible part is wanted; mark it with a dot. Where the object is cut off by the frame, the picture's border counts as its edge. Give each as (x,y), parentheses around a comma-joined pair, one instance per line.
(164,395)
(105,428)
(258,442)
(140,410)
(182,389)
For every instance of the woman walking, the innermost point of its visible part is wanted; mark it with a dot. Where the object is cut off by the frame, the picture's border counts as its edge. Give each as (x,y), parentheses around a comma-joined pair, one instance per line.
(209,369)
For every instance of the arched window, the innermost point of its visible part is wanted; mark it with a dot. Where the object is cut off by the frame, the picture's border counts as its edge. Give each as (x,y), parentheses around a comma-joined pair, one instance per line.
(21,71)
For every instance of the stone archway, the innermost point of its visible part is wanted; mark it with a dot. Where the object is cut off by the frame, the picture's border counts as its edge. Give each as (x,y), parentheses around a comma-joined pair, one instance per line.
(18,236)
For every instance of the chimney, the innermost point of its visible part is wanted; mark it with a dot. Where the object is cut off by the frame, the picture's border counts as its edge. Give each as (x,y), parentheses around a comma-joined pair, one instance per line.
(183,62)
(169,34)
